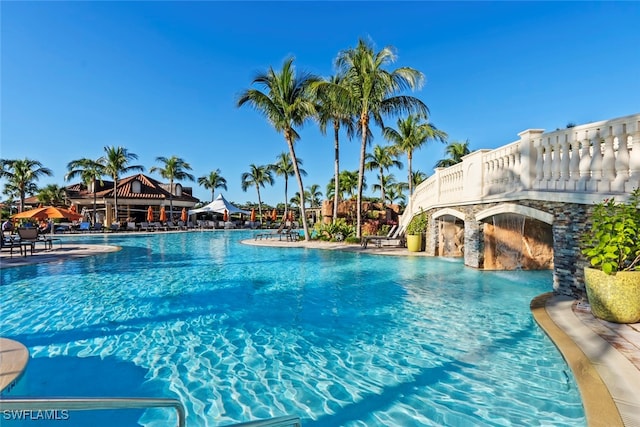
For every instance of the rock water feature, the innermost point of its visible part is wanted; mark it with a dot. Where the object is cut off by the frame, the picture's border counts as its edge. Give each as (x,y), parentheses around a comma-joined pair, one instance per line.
(450,237)
(515,242)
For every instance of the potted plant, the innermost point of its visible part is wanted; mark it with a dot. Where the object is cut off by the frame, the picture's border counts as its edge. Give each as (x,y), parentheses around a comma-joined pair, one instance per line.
(415,232)
(612,247)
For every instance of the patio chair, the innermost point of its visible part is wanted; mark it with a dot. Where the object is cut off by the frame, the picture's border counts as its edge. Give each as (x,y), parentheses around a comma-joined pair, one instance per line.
(85,227)
(393,234)
(277,232)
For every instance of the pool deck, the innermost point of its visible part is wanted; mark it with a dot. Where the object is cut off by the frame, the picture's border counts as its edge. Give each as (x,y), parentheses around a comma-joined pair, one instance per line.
(604,357)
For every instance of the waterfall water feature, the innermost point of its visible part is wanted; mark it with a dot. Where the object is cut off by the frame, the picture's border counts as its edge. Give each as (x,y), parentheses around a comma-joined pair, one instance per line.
(508,234)
(450,236)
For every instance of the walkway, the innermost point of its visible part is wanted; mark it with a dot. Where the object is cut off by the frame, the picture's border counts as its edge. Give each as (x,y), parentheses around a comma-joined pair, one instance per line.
(604,357)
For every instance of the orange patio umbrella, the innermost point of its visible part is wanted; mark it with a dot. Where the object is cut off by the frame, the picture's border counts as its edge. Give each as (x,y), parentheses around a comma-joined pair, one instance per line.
(73,208)
(225,217)
(253,214)
(150,214)
(183,215)
(290,215)
(47,213)
(274,215)
(163,215)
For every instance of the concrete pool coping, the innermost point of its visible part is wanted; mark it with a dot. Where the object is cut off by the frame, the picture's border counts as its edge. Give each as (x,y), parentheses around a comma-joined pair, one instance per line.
(607,376)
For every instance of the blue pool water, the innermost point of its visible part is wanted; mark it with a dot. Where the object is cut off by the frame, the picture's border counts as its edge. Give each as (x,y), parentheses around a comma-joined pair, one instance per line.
(238,333)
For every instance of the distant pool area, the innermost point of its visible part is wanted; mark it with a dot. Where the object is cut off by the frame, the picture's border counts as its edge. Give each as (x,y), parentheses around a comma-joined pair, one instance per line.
(239,333)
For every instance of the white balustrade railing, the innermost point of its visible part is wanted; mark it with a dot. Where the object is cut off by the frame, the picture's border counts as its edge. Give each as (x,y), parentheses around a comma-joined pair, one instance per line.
(581,164)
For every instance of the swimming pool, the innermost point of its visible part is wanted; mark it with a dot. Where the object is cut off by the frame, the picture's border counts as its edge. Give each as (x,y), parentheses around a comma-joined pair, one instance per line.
(239,333)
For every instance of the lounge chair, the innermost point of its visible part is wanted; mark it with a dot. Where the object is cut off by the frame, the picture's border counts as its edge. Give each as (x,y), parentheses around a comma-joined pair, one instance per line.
(279,232)
(8,242)
(393,234)
(85,227)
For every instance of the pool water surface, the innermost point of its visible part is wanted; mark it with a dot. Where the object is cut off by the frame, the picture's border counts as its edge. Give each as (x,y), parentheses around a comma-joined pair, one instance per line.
(240,332)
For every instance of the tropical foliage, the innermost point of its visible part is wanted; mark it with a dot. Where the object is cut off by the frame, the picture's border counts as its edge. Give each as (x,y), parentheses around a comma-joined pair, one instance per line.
(116,161)
(90,172)
(284,167)
(382,159)
(369,91)
(212,181)
(174,168)
(21,176)
(456,150)
(258,176)
(411,134)
(286,103)
(612,242)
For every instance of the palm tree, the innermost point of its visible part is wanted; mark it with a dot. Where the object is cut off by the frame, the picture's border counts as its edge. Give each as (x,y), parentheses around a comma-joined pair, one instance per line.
(116,161)
(212,181)
(417,178)
(394,193)
(90,172)
(369,91)
(314,193)
(412,134)
(456,150)
(174,168)
(257,176)
(382,158)
(386,183)
(21,176)
(284,167)
(286,103)
(348,184)
(52,195)
(329,110)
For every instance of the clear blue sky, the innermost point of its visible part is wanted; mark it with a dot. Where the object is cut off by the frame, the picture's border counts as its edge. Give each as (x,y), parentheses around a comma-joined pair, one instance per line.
(162,78)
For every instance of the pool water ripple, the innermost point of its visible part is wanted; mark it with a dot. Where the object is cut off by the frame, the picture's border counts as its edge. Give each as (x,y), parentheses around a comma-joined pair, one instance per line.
(239,332)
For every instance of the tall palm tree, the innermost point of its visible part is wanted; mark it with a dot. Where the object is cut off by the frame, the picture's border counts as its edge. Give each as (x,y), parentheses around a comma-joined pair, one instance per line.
(348,184)
(257,176)
(90,172)
(212,181)
(394,194)
(329,110)
(116,161)
(456,150)
(369,91)
(383,158)
(175,168)
(412,133)
(284,167)
(314,193)
(21,176)
(52,194)
(286,103)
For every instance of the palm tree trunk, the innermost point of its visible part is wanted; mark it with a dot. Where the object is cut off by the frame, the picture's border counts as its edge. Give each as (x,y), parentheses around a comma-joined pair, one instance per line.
(259,202)
(382,186)
(95,201)
(409,161)
(115,198)
(303,214)
(363,150)
(286,198)
(336,179)
(170,200)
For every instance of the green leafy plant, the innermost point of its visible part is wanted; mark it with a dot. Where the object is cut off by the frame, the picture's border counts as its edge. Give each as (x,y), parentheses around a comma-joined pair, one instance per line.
(418,224)
(613,242)
(336,231)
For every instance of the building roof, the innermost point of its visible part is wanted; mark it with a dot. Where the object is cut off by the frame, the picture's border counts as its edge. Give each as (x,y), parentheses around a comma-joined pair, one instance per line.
(150,189)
